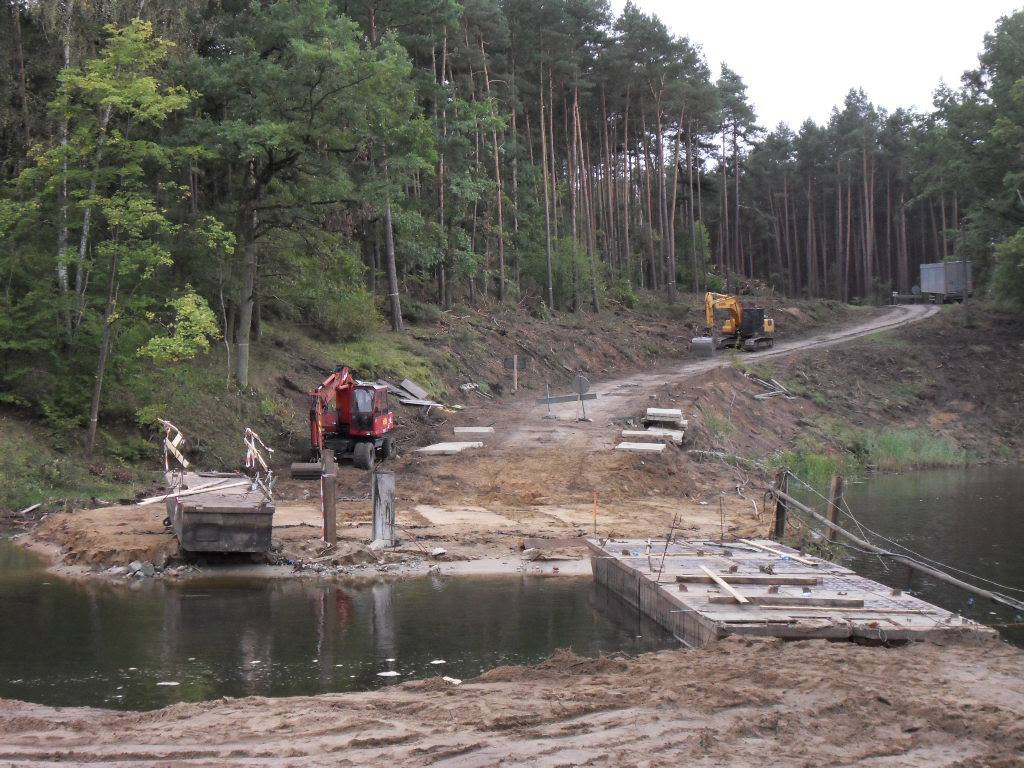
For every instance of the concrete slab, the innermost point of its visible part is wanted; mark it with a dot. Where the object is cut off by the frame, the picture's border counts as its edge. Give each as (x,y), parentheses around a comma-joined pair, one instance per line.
(655,434)
(474,430)
(448,449)
(641,447)
(664,414)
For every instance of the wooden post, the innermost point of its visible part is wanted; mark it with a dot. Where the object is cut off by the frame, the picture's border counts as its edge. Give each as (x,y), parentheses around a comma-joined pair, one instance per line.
(781,484)
(328,496)
(384,507)
(835,495)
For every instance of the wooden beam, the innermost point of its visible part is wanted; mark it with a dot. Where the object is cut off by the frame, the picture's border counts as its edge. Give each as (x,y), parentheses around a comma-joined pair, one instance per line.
(795,601)
(779,552)
(760,578)
(724,585)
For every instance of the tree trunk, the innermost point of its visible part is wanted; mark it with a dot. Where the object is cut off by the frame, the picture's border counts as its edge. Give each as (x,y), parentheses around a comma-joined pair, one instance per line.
(19,55)
(246,296)
(547,197)
(101,362)
(389,246)
(498,193)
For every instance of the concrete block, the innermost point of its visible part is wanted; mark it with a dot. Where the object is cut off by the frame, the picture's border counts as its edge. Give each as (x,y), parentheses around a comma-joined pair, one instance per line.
(655,434)
(448,449)
(641,447)
(474,430)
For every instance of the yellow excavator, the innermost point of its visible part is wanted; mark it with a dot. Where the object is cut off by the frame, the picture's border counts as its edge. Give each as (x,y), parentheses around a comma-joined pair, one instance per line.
(730,324)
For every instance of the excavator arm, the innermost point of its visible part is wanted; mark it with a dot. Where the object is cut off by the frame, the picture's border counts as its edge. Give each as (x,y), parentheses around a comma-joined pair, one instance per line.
(725,307)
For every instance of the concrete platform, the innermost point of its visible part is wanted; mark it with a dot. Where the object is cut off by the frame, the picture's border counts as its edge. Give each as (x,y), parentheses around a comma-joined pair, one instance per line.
(641,447)
(655,434)
(448,449)
(701,591)
(473,430)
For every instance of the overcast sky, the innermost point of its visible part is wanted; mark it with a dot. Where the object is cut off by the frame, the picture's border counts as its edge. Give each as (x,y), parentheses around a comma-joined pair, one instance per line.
(800,57)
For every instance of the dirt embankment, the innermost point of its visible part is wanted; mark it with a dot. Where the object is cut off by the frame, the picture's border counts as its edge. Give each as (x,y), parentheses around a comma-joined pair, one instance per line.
(739,702)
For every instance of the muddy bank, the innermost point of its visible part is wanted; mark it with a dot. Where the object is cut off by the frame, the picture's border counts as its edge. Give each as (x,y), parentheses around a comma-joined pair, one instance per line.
(735,703)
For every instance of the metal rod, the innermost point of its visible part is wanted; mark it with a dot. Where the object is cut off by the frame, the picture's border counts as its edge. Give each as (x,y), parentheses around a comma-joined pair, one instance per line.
(993,596)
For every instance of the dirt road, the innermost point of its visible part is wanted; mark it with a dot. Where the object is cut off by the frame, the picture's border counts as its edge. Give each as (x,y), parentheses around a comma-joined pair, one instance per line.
(620,395)
(738,703)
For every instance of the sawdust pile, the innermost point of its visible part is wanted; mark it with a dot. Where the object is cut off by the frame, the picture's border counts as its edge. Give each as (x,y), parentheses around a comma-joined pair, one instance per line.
(741,702)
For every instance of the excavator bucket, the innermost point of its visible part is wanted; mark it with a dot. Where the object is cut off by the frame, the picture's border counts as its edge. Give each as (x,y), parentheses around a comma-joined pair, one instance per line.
(703,345)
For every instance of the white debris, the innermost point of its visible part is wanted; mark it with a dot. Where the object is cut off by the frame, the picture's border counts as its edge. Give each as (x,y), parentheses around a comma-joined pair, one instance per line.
(439,661)
(448,449)
(168,682)
(452,680)
(438,552)
(389,673)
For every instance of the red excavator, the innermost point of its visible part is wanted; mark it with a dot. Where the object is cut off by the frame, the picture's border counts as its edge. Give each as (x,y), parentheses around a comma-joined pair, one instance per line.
(352,419)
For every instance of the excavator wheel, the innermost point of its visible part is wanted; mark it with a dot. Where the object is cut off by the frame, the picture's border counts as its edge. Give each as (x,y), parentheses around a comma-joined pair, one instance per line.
(363,455)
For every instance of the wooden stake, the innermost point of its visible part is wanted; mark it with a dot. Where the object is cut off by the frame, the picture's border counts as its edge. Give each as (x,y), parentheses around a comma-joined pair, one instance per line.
(835,495)
(782,484)
(328,497)
(384,507)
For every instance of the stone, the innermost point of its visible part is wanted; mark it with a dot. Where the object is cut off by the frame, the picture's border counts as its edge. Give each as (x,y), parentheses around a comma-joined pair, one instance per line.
(135,566)
(438,552)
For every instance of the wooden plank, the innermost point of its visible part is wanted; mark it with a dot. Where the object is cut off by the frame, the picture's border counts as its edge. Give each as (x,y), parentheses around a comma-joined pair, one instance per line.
(779,552)
(414,389)
(221,485)
(795,601)
(724,585)
(411,401)
(761,578)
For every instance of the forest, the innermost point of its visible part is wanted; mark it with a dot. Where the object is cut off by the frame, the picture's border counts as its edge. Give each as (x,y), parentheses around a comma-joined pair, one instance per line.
(175,174)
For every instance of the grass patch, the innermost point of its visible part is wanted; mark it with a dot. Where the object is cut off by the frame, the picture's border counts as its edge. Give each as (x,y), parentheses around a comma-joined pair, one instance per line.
(886,339)
(718,426)
(865,449)
(31,472)
(389,355)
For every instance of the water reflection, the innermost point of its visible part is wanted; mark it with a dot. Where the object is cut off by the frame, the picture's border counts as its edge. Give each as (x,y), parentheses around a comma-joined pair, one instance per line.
(97,644)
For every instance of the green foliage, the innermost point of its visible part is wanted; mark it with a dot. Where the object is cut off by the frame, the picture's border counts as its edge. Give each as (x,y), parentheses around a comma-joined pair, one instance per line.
(193,327)
(1008,276)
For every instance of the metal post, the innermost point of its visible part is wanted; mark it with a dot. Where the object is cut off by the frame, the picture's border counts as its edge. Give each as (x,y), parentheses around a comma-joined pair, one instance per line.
(328,496)
(782,484)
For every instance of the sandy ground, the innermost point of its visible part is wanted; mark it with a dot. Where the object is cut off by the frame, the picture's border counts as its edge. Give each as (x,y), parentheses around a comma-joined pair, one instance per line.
(537,482)
(740,703)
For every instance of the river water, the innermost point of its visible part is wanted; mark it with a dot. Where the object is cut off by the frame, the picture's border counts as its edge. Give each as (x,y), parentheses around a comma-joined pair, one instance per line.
(151,644)
(75,644)
(969,519)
